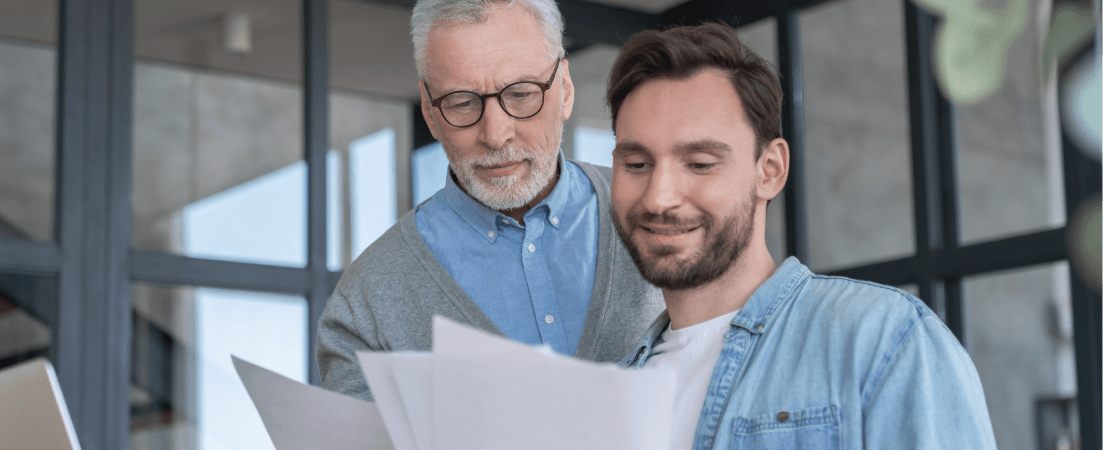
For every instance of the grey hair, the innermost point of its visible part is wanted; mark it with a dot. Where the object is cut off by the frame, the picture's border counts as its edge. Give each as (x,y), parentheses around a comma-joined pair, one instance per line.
(432,12)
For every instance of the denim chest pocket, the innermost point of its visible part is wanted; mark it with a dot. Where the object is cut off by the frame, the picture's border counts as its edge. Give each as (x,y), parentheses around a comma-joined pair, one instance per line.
(807,429)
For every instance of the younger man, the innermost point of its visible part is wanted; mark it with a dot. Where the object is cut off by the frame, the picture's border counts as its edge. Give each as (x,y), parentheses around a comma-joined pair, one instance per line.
(767,356)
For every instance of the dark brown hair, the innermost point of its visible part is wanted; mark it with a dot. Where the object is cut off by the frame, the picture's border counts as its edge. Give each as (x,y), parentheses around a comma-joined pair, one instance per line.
(681,52)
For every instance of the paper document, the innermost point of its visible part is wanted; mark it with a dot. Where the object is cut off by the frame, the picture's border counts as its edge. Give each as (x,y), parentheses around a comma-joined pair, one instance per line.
(400,384)
(299,416)
(491,393)
(484,392)
(32,410)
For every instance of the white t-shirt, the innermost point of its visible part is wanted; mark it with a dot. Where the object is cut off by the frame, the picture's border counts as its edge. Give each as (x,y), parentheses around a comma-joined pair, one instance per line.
(692,353)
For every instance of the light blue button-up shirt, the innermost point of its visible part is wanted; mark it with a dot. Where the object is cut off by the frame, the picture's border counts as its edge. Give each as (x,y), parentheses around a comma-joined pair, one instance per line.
(534,281)
(819,362)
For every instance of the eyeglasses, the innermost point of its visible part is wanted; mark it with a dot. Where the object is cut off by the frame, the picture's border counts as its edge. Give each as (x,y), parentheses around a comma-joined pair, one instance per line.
(521,100)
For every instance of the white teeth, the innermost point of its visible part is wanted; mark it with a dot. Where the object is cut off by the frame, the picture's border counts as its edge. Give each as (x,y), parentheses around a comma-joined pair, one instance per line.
(667,232)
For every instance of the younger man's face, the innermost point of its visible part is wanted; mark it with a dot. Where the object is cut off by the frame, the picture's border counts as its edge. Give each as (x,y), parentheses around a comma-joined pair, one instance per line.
(684,190)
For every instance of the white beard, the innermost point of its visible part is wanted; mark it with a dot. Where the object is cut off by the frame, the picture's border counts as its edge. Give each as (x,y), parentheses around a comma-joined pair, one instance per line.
(511,191)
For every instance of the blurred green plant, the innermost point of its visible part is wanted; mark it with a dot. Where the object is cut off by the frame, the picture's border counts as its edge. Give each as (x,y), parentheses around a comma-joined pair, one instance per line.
(1070,26)
(971,45)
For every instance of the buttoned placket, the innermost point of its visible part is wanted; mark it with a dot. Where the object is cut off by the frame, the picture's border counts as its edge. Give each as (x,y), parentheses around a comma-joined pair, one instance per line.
(541,292)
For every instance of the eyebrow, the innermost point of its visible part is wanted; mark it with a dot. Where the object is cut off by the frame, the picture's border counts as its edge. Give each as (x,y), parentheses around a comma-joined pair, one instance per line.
(703,145)
(708,145)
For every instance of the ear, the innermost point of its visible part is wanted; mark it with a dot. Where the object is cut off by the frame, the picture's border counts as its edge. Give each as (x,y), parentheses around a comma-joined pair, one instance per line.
(567,89)
(773,169)
(427,111)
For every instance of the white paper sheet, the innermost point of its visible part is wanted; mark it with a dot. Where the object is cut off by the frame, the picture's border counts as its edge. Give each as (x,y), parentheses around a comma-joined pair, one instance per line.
(489,393)
(399,382)
(300,417)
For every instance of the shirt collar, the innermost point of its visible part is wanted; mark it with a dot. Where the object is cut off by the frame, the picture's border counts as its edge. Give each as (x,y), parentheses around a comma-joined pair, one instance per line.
(756,313)
(482,219)
(754,316)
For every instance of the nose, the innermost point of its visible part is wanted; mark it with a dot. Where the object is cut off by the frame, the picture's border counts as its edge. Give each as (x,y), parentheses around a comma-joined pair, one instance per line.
(664,189)
(496,126)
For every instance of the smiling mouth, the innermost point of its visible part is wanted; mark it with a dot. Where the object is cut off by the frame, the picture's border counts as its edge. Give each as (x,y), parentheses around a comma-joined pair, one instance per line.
(671,232)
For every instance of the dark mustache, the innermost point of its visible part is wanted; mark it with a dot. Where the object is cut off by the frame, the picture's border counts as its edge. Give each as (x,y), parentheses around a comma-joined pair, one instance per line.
(667,218)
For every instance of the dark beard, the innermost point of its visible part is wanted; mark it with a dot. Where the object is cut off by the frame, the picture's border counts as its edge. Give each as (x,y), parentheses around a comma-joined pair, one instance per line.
(721,247)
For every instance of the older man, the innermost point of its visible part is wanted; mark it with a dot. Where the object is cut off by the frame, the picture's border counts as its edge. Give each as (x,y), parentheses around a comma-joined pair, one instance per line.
(519,242)
(767,356)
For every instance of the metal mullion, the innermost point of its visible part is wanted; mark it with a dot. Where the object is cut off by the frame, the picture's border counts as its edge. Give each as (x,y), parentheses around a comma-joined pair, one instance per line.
(894,272)
(1082,182)
(117,311)
(792,125)
(316,135)
(95,61)
(29,257)
(66,330)
(1017,251)
(923,115)
(953,305)
(166,268)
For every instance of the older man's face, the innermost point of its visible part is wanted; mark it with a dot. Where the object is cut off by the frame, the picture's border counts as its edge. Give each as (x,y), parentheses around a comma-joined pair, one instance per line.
(503,162)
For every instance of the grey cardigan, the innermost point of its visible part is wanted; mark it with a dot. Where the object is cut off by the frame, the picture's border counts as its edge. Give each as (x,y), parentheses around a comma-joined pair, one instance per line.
(386,299)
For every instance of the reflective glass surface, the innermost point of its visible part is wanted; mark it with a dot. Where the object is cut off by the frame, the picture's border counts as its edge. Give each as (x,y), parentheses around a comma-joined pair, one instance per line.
(371,73)
(1019,333)
(761,37)
(27,304)
(594,145)
(185,393)
(218,137)
(430,171)
(1009,143)
(858,190)
(28,87)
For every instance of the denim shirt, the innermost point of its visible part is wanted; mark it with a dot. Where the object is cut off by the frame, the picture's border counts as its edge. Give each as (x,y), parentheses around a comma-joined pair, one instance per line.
(819,362)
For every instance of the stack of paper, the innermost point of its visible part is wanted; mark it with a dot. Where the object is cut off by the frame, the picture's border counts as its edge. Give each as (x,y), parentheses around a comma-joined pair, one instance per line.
(479,391)
(475,391)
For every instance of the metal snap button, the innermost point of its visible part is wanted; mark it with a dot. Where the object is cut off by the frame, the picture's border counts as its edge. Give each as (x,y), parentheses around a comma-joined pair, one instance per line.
(783,416)
(758,326)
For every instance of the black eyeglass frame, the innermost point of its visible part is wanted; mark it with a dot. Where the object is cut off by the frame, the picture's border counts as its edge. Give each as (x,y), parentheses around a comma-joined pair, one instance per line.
(482,98)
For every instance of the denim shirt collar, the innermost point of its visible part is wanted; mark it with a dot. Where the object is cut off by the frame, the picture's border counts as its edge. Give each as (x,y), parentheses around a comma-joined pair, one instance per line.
(483,220)
(754,316)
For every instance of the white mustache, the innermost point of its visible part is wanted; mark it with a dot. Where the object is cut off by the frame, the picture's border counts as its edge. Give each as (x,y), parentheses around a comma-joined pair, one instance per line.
(508,155)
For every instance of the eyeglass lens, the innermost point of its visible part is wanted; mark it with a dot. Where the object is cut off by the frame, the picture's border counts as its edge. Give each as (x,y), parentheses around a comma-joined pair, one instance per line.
(520,100)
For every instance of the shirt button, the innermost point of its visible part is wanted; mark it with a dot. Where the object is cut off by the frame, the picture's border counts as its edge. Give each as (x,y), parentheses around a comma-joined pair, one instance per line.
(555,221)
(532,248)
(490,235)
(783,416)
(549,319)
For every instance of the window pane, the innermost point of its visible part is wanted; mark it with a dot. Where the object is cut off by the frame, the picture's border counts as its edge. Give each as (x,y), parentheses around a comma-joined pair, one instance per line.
(761,37)
(1009,154)
(370,123)
(185,393)
(1019,334)
(859,196)
(372,188)
(28,86)
(218,138)
(430,169)
(594,146)
(26,304)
